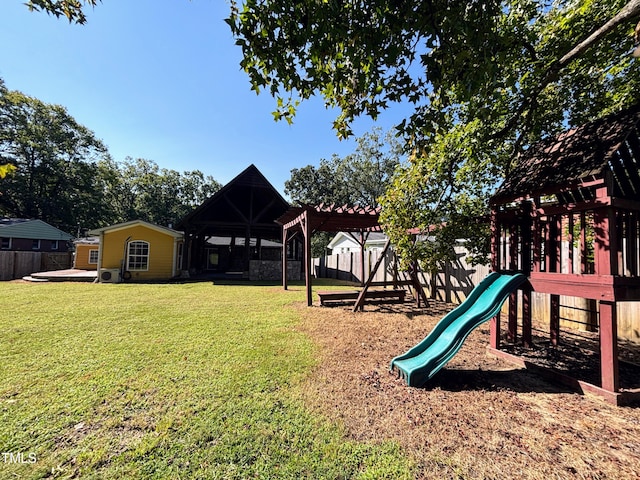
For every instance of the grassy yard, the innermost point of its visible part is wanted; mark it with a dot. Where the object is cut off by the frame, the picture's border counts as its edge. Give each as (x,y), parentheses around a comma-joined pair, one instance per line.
(166,381)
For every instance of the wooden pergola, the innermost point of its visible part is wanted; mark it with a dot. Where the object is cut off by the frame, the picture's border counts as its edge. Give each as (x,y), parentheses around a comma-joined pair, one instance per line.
(568,216)
(356,220)
(308,219)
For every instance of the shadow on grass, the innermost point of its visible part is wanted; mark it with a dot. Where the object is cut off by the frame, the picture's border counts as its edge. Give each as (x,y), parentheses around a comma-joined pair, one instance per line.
(235,280)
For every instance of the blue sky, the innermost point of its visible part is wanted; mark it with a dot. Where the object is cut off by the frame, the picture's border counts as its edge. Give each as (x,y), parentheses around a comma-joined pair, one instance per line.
(161,81)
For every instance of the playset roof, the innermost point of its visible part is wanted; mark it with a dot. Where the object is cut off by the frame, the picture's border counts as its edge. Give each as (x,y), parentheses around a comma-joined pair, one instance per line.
(576,156)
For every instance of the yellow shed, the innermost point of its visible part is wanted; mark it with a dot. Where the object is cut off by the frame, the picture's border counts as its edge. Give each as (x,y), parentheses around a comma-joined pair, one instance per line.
(138,251)
(86,253)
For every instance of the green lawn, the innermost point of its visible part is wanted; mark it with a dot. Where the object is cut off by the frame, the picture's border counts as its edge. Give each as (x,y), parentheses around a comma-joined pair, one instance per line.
(165,381)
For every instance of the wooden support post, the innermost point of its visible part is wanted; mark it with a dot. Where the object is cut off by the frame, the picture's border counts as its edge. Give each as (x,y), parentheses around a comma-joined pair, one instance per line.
(609,346)
(495,240)
(497,249)
(536,233)
(551,251)
(362,258)
(606,242)
(526,237)
(285,233)
(554,320)
(307,257)
(494,332)
(514,244)
(557,243)
(584,249)
(527,233)
(632,244)
(512,331)
(527,340)
(571,240)
(615,252)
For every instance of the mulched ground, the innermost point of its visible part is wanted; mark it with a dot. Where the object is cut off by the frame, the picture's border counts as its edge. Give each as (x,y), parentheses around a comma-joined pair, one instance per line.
(479,417)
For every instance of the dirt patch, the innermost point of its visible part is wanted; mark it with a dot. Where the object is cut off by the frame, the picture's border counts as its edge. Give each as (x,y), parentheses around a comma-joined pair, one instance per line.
(480,417)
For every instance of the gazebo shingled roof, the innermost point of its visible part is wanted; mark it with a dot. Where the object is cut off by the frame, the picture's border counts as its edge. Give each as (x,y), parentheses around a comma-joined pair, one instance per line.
(567,160)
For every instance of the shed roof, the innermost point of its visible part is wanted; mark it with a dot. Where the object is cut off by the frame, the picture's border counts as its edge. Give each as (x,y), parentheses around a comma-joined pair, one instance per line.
(31,229)
(576,155)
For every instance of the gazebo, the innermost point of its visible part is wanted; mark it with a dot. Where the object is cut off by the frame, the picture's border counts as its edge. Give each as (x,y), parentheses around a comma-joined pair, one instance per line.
(568,216)
(235,226)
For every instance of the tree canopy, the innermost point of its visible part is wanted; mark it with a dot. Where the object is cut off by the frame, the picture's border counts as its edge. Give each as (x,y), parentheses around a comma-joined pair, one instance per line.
(498,57)
(59,172)
(140,189)
(53,158)
(73,10)
(359,178)
(482,80)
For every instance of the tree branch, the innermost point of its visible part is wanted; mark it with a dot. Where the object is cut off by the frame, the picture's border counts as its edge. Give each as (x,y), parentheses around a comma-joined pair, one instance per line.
(629,11)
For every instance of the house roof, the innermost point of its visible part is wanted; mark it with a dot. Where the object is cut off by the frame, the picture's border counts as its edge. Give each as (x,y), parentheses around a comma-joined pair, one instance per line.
(87,241)
(247,201)
(135,223)
(372,238)
(576,155)
(31,229)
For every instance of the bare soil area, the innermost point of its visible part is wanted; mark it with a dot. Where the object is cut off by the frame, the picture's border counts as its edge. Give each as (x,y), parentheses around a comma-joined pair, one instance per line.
(479,417)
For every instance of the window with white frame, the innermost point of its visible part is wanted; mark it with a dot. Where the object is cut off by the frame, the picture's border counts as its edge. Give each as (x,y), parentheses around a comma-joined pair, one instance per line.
(54,244)
(138,255)
(5,243)
(93,256)
(35,245)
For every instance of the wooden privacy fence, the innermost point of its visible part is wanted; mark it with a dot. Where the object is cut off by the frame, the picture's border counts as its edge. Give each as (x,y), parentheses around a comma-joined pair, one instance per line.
(19,264)
(455,280)
(348,266)
(451,284)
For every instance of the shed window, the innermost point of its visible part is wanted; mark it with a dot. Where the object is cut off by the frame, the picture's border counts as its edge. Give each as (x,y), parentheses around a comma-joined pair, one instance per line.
(54,244)
(138,255)
(93,256)
(35,245)
(5,243)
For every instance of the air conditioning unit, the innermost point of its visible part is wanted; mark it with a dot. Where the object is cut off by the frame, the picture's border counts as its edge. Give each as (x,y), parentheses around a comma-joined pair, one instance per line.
(109,275)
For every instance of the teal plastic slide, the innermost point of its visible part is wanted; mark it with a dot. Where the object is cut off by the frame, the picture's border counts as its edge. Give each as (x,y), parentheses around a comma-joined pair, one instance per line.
(424,360)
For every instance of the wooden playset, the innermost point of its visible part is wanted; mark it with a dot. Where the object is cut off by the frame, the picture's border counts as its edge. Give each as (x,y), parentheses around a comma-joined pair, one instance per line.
(568,216)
